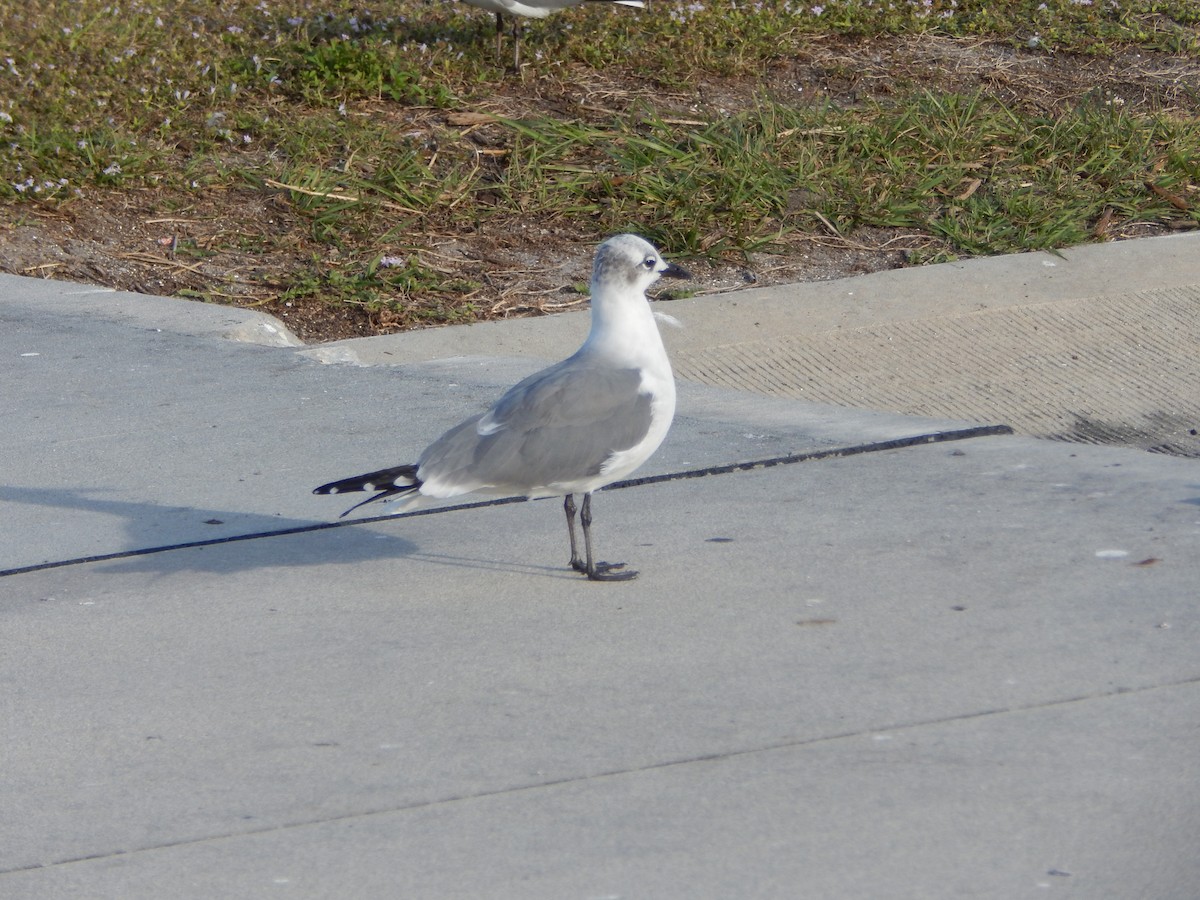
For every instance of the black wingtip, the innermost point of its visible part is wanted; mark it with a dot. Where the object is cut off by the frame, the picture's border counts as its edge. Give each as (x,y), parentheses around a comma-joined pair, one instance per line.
(334,488)
(382,482)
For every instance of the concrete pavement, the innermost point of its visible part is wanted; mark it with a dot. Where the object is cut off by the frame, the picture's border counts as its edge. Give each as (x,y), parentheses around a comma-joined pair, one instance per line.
(911,657)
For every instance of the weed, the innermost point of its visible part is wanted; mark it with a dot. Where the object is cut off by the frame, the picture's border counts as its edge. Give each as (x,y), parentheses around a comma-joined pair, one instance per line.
(400,289)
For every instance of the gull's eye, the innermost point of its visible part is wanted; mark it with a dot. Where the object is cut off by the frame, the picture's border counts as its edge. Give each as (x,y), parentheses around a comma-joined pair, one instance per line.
(649,262)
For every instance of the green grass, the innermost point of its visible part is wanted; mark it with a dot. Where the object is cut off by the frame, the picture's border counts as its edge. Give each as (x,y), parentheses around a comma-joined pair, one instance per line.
(337,107)
(402,290)
(965,168)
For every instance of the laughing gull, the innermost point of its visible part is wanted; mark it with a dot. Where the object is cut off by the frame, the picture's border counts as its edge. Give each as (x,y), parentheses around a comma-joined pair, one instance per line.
(536,9)
(570,429)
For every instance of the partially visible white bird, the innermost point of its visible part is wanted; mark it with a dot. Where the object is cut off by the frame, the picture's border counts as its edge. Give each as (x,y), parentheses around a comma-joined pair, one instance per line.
(570,429)
(535,9)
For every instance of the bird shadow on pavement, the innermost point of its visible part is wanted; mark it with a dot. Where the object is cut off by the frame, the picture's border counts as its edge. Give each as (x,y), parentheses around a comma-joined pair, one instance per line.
(170,539)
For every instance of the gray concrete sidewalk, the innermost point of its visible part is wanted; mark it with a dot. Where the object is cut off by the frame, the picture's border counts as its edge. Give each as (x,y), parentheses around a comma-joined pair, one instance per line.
(953,663)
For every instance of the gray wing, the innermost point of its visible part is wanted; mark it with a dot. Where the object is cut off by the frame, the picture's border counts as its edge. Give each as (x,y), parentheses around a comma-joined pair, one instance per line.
(560,424)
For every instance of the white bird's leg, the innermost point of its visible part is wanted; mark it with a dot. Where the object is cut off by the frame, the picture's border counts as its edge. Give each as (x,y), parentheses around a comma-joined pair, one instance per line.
(598,571)
(518,31)
(499,38)
(569,507)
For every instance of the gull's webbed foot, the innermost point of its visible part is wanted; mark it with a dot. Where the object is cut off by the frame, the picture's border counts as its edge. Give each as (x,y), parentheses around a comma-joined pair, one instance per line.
(603,571)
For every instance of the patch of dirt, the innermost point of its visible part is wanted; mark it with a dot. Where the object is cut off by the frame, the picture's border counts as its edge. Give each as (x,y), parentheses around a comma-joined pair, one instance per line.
(243,246)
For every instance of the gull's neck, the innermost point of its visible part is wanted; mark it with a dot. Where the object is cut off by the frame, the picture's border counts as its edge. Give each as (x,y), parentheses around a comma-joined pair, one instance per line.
(623,328)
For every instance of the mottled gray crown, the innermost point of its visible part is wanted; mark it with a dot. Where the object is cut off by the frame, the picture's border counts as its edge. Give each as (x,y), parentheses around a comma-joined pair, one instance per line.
(627,259)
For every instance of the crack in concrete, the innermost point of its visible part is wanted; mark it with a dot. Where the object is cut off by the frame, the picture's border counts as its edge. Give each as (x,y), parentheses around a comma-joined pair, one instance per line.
(613,773)
(810,456)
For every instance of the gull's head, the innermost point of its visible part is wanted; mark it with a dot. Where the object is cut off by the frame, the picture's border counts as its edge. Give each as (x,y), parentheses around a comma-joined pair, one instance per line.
(629,263)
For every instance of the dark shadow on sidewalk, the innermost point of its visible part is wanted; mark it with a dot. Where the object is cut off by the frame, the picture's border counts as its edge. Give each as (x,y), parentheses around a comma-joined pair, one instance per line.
(244,541)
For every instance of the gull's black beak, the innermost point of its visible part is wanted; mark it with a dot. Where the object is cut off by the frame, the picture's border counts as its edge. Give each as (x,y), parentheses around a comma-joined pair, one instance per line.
(674,271)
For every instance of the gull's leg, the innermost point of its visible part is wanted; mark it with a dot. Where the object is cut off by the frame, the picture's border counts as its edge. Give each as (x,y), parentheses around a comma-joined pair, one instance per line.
(518,31)
(569,507)
(598,571)
(499,37)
